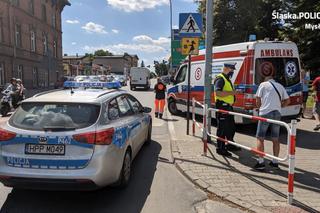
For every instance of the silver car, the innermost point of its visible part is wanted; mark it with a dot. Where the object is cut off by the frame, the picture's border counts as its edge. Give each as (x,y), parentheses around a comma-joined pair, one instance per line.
(73,139)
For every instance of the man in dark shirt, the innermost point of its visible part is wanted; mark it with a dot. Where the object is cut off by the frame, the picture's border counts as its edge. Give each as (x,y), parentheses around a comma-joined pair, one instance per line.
(160,90)
(224,99)
(316,108)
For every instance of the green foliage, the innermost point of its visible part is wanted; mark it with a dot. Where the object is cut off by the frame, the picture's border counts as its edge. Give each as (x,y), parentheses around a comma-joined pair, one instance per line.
(102,53)
(235,20)
(308,40)
(161,68)
(142,64)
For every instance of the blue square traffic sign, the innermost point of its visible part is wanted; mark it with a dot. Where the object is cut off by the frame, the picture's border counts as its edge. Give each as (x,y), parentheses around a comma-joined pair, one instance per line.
(190,24)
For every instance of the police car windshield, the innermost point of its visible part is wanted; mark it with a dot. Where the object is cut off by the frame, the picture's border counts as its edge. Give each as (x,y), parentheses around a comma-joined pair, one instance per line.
(55,116)
(287,71)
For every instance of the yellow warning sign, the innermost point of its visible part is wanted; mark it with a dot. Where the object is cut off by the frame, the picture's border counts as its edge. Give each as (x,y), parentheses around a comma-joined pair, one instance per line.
(190,46)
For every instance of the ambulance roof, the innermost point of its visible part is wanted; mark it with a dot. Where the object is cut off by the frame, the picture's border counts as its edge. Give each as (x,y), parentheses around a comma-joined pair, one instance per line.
(240,46)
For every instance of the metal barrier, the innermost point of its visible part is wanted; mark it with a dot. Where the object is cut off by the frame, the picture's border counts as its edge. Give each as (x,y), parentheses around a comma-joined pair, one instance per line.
(291,144)
(195,123)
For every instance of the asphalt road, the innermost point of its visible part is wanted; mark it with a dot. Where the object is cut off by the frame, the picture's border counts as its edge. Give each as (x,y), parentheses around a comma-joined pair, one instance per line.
(156,185)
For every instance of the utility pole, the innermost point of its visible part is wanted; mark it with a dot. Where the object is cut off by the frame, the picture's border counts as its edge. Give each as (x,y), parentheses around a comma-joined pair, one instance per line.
(208,71)
(171,34)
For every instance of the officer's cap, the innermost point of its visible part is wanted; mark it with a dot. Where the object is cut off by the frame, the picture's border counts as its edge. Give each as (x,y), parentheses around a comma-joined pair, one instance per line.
(230,65)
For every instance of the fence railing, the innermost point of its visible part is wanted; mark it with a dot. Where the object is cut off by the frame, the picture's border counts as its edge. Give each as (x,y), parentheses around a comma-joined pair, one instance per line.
(291,139)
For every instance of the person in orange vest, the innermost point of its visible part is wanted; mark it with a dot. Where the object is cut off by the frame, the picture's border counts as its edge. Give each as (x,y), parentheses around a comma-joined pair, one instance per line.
(160,99)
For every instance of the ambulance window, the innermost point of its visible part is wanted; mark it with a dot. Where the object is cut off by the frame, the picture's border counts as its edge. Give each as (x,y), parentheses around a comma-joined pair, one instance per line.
(286,70)
(181,75)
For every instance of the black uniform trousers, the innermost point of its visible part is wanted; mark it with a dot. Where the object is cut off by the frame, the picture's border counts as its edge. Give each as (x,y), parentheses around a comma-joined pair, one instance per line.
(226,126)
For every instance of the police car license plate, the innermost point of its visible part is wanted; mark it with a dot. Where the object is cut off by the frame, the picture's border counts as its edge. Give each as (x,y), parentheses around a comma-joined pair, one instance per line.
(45,149)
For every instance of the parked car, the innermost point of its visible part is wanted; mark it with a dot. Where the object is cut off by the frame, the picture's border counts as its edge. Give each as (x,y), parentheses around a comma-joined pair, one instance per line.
(73,139)
(121,78)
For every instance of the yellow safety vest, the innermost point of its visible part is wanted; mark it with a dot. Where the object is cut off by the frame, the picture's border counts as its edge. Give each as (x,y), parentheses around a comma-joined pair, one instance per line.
(227,88)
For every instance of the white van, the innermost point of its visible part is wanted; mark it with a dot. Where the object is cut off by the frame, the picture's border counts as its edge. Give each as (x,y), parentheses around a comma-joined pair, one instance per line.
(139,77)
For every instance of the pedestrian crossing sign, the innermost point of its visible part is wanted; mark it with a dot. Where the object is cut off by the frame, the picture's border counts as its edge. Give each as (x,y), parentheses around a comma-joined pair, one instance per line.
(190,24)
(190,46)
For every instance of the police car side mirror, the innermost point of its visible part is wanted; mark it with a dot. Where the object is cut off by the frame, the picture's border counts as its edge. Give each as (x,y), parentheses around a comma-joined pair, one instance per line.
(147,109)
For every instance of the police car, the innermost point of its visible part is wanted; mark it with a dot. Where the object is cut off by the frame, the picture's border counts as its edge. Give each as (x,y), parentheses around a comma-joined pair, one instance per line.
(75,138)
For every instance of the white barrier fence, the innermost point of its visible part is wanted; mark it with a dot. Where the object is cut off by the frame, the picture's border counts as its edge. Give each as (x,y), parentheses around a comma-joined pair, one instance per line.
(291,139)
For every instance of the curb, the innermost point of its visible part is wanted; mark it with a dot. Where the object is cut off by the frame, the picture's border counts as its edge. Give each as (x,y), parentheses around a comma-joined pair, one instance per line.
(213,193)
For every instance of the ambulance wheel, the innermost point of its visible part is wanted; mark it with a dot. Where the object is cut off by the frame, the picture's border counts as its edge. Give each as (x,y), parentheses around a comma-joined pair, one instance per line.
(172,106)
(132,88)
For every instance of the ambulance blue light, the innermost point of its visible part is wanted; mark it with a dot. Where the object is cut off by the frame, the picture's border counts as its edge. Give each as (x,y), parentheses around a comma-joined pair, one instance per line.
(108,85)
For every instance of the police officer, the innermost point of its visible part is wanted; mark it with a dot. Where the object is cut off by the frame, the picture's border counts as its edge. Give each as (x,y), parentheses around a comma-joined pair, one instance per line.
(225,98)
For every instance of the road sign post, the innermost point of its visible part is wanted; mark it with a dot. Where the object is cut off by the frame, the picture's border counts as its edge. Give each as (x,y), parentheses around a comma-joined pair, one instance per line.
(190,29)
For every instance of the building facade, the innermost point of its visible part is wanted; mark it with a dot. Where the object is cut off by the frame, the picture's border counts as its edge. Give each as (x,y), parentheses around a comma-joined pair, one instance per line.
(118,64)
(31,41)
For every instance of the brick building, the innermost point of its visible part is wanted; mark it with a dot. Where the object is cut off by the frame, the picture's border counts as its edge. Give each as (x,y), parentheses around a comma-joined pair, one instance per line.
(31,41)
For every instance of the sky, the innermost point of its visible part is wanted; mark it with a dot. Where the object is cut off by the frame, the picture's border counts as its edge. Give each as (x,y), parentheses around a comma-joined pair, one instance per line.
(139,27)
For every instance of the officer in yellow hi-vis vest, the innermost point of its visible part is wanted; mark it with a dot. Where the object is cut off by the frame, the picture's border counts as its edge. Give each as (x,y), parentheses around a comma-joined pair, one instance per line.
(224,99)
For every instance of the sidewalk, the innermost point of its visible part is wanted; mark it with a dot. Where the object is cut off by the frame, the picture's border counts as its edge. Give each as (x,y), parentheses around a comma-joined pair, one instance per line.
(233,180)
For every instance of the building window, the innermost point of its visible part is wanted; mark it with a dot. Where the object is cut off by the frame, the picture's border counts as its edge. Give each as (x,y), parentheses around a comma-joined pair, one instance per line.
(45,44)
(1,30)
(55,53)
(54,19)
(15,2)
(33,41)
(35,77)
(31,7)
(44,12)
(18,35)
(20,72)
(2,81)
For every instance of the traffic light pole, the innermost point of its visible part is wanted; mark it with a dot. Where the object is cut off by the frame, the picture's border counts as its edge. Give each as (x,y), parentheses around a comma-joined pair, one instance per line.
(208,70)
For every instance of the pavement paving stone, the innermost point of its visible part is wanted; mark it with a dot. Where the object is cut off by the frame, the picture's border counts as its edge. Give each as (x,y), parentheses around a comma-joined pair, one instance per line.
(235,177)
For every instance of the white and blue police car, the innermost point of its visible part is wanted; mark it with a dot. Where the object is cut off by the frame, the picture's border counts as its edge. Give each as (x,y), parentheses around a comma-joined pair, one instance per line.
(84,137)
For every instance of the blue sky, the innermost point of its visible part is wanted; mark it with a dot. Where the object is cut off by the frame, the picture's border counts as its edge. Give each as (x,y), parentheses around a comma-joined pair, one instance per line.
(139,27)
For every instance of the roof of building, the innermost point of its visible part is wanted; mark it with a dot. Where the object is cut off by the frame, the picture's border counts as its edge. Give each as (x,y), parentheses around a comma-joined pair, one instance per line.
(74,57)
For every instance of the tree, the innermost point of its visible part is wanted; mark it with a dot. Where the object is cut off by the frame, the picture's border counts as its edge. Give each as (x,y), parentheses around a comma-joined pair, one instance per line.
(235,20)
(161,68)
(102,53)
(142,64)
(308,40)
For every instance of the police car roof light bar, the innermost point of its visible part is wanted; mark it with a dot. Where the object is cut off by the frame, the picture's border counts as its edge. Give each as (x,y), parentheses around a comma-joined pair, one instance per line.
(108,85)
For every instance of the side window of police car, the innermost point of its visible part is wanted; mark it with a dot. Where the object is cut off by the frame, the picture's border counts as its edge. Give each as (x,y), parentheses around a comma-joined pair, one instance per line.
(113,110)
(124,106)
(181,75)
(136,106)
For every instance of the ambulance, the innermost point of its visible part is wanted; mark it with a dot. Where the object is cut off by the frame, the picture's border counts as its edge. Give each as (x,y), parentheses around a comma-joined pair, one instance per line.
(253,61)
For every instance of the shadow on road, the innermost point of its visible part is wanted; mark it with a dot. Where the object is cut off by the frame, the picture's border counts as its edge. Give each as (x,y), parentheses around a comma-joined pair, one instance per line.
(130,199)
